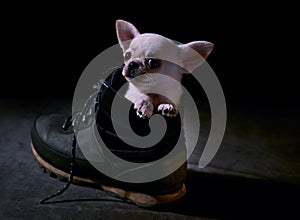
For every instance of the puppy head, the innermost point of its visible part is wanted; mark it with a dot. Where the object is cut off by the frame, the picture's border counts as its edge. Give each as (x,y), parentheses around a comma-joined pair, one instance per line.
(153,53)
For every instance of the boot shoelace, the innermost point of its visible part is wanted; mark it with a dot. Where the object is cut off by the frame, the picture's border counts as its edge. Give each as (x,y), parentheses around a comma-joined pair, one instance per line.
(75,120)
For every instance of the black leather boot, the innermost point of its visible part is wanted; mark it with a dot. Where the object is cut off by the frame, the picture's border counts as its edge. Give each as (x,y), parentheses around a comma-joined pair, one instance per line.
(55,148)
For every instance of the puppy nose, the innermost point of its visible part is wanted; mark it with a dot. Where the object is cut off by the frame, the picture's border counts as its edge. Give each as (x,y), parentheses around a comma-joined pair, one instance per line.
(132,69)
(133,65)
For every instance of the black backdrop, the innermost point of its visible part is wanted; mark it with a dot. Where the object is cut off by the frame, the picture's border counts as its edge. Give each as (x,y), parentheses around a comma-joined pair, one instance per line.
(46,47)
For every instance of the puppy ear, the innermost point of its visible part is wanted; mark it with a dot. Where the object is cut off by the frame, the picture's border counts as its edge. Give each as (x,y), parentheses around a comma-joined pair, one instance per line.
(125,33)
(194,53)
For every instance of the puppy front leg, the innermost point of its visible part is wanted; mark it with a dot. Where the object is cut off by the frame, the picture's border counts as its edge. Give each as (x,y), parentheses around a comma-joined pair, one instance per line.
(144,106)
(167,108)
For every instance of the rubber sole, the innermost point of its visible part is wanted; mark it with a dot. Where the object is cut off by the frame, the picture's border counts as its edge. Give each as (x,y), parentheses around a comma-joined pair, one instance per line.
(138,198)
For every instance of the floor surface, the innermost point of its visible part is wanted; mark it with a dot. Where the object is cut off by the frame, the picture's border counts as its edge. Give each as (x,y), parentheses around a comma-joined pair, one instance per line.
(255,174)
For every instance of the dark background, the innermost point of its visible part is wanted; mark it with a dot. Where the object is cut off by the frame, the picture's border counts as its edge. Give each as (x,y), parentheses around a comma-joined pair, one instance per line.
(46,47)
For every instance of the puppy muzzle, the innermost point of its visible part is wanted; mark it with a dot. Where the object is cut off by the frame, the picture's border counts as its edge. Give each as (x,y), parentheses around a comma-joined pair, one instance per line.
(134,69)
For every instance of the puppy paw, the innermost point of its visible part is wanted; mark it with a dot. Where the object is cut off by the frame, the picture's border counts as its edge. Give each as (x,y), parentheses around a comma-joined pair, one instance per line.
(168,110)
(144,108)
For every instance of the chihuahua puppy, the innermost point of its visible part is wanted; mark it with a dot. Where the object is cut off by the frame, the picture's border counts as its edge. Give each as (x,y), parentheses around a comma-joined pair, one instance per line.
(148,57)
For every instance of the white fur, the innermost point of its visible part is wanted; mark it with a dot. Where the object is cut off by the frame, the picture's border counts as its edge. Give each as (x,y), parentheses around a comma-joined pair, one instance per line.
(175,61)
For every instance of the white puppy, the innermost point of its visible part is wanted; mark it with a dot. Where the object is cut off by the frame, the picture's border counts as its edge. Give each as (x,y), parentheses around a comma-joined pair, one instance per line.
(146,57)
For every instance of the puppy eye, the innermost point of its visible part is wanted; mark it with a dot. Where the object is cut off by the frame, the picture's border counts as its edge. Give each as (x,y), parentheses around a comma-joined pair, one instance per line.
(127,56)
(152,63)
